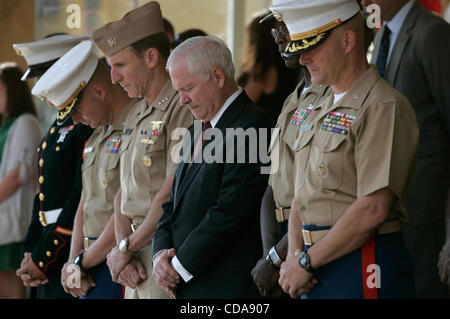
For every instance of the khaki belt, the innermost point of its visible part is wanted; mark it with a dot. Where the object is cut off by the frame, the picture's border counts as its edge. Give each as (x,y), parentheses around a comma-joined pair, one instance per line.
(282,213)
(49,217)
(88,241)
(311,237)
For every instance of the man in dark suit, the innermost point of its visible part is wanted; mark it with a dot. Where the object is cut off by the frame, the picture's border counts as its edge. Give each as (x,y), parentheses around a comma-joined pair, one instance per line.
(209,233)
(412,51)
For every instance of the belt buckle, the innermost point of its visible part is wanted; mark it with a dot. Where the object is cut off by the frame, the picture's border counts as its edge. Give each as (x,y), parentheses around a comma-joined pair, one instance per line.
(135,226)
(42,218)
(282,215)
(281,210)
(307,237)
(87,243)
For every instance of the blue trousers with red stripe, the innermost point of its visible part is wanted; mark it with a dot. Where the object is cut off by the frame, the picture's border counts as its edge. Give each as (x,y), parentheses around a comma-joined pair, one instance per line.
(105,288)
(346,278)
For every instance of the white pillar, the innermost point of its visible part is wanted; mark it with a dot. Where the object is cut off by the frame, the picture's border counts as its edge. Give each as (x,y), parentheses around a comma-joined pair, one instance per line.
(236,30)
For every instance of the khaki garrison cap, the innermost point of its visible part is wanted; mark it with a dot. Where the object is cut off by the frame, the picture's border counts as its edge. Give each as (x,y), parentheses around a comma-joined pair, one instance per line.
(63,83)
(134,26)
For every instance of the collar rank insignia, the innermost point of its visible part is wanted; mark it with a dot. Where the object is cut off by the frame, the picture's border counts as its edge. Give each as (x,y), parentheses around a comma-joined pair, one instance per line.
(338,122)
(112,145)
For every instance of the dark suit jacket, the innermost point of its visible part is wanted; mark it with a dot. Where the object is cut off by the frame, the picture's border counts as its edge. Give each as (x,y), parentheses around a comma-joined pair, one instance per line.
(419,68)
(212,217)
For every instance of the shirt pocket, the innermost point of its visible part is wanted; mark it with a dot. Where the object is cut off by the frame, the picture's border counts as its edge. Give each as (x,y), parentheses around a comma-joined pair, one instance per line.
(328,168)
(126,140)
(302,148)
(89,159)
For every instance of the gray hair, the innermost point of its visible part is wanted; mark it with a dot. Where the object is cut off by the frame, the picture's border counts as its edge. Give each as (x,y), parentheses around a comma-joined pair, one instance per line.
(203,53)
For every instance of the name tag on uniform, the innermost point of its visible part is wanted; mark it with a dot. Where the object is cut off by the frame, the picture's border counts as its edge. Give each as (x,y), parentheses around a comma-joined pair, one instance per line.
(306,127)
(88,149)
(127,131)
(112,145)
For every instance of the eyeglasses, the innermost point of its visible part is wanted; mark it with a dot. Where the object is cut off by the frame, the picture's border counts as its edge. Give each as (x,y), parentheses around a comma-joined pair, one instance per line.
(275,32)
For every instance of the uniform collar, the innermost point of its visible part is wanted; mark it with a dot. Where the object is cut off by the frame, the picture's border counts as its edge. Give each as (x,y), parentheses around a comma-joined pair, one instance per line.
(164,97)
(120,121)
(358,92)
(318,90)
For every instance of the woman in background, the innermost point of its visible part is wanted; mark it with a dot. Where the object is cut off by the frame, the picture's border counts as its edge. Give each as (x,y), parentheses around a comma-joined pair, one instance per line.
(265,78)
(19,138)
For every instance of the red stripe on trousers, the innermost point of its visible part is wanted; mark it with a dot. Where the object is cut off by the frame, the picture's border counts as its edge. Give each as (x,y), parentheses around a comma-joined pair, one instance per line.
(368,258)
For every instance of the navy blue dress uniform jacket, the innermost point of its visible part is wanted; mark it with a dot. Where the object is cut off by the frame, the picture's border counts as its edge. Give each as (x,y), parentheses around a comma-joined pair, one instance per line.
(212,217)
(59,169)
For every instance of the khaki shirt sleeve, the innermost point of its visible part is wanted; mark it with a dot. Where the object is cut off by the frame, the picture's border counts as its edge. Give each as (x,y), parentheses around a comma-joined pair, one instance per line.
(181,119)
(385,148)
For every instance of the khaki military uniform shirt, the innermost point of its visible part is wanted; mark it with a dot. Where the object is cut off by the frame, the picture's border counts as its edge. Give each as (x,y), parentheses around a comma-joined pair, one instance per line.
(361,144)
(101,173)
(147,153)
(282,178)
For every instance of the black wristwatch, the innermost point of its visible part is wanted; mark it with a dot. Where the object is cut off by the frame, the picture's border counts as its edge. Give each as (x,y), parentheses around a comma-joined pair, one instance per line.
(305,262)
(274,259)
(79,262)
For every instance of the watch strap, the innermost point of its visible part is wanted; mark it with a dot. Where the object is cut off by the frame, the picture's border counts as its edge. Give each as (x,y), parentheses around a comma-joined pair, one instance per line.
(79,262)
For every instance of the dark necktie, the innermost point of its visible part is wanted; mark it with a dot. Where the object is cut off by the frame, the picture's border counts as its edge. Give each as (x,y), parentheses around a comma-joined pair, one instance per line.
(383,52)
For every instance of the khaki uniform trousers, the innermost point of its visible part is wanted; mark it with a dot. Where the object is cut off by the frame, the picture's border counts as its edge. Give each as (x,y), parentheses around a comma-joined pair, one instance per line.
(148,289)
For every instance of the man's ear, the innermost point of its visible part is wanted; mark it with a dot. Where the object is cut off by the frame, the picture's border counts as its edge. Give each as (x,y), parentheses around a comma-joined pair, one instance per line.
(349,40)
(99,91)
(218,75)
(151,57)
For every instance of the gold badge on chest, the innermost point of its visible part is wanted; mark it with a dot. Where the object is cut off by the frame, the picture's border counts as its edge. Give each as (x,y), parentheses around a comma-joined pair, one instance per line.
(147,161)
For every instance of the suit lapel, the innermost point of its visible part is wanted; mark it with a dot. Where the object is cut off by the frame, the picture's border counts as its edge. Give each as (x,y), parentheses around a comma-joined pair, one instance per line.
(402,40)
(189,171)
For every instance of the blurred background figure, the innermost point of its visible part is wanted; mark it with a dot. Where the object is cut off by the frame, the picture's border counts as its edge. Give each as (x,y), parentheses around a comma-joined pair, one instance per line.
(265,78)
(186,34)
(19,138)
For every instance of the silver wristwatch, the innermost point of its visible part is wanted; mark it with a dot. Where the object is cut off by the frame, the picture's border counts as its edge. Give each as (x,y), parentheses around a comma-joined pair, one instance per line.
(123,247)
(274,258)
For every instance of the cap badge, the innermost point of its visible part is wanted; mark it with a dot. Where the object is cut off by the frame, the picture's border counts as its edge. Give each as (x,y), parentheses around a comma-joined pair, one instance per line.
(112,42)
(277,15)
